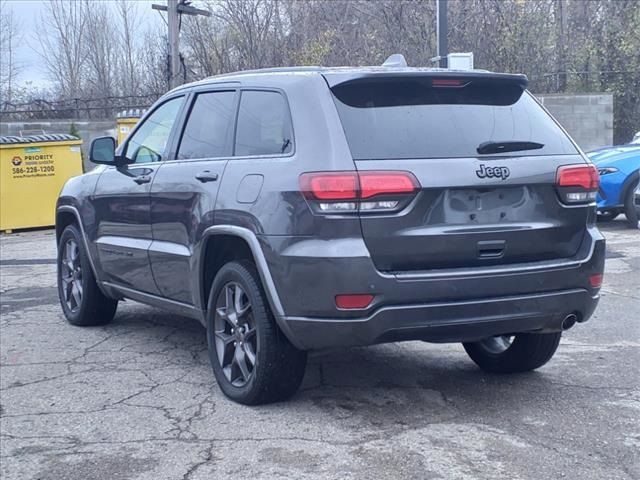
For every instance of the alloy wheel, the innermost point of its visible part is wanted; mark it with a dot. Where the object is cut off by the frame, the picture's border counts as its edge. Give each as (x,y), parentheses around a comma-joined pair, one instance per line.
(235,334)
(498,344)
(71,275)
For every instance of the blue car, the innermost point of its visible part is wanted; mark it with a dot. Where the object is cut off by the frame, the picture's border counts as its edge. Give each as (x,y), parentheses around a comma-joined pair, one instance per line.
(619,174)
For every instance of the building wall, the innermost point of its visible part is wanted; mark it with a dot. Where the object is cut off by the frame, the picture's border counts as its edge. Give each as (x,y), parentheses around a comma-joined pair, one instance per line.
(587,117)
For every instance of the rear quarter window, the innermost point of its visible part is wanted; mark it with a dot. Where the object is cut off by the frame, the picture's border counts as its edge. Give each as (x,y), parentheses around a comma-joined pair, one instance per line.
(410,119)
(264,124)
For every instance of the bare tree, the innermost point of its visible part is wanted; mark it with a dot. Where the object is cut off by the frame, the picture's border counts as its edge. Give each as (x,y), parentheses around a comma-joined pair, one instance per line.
(9,68)
(208,44)
(62,44)
(102,50)
(250,24)
(129,25)
(153,68)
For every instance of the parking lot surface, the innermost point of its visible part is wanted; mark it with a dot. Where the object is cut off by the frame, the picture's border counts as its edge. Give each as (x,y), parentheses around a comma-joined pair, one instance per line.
(136,399)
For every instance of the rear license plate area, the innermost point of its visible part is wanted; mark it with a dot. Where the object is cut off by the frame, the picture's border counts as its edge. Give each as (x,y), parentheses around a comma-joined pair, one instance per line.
(487,205)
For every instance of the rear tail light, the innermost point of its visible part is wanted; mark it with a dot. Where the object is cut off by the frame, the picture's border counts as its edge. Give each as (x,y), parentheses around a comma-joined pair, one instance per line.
(351,192)
(577,183)
(354,301)
(330,186)
(585,176)
(382,183)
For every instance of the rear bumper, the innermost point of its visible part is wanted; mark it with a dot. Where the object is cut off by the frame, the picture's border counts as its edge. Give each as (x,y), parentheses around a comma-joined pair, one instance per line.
(464,321)
(448,305)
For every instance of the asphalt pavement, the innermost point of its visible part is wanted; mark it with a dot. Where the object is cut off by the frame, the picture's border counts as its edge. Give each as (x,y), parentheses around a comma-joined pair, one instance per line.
(136,399)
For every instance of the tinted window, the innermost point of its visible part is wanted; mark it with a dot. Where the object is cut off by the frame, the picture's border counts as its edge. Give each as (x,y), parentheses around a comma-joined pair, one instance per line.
(411,119)
(264,125)
(208,129)
(150,140)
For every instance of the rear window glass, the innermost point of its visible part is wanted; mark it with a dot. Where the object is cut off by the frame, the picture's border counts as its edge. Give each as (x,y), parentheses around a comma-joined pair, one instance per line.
(408,118)
(264,124)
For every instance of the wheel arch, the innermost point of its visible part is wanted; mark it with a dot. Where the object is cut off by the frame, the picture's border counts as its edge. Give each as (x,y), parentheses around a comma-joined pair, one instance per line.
(628,183)
(220,248)
(215,239)
(219,238)
(68,215)
(64,218)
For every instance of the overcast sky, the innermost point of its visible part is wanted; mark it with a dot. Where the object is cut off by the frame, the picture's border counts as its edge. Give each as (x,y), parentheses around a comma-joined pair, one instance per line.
(27,14)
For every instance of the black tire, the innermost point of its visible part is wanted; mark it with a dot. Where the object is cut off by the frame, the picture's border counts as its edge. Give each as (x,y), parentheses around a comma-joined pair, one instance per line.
(278,367)
(526,351)
(92,307)
(629,207)
(608,215)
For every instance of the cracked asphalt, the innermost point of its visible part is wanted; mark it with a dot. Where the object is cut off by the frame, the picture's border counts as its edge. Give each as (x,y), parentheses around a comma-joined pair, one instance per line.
(137,399)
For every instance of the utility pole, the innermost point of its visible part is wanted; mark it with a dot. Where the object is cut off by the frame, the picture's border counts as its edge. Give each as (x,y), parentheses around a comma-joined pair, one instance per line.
(441,32)
(173,19)
(174,9)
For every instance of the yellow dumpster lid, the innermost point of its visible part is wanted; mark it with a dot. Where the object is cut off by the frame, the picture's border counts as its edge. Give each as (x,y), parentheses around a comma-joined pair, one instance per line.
(49,137)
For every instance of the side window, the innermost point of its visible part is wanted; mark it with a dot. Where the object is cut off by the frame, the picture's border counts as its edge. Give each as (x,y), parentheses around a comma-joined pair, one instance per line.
(264,124)
(208,129)
(149,141)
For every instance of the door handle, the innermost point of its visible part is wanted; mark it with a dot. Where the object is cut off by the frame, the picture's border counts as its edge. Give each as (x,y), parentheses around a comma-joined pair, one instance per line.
(207,176)
(140,179)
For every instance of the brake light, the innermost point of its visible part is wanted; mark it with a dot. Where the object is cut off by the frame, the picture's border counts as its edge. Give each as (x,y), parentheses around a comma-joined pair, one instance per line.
(350,192)
(585,176)
(385,183)
(354,302)
(577,183)
(331,186)
(448,82)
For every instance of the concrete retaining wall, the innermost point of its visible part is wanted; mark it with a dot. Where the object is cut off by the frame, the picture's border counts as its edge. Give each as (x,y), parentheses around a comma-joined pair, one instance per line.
(587,117)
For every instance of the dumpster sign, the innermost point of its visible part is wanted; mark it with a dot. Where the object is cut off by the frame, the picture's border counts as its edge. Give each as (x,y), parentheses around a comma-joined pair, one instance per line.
(33,163)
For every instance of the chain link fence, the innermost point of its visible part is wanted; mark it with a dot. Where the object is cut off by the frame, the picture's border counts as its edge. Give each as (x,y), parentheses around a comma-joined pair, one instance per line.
(75,108)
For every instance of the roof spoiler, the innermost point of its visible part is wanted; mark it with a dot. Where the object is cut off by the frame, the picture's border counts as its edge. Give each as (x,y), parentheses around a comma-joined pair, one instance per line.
(383,74)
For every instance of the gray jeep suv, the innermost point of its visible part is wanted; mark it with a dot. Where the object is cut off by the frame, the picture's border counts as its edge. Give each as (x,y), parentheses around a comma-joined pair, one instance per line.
(296,209)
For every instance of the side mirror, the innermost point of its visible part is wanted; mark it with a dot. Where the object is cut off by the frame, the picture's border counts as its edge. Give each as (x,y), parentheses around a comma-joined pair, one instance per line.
(103,151)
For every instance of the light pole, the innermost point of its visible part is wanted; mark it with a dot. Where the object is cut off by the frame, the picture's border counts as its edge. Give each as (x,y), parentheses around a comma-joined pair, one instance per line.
(441,32)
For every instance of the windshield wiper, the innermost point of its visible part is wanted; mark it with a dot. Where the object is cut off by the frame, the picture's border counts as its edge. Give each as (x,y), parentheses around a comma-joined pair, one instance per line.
(508,146)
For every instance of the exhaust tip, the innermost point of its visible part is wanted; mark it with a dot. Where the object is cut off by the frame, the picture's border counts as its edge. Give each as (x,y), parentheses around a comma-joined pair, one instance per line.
(569,321)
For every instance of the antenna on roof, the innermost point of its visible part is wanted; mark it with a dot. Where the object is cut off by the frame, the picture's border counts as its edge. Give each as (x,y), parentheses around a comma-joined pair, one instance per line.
(395,60)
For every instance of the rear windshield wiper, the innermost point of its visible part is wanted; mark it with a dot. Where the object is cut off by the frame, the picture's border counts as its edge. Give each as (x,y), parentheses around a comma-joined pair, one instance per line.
(508,146)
